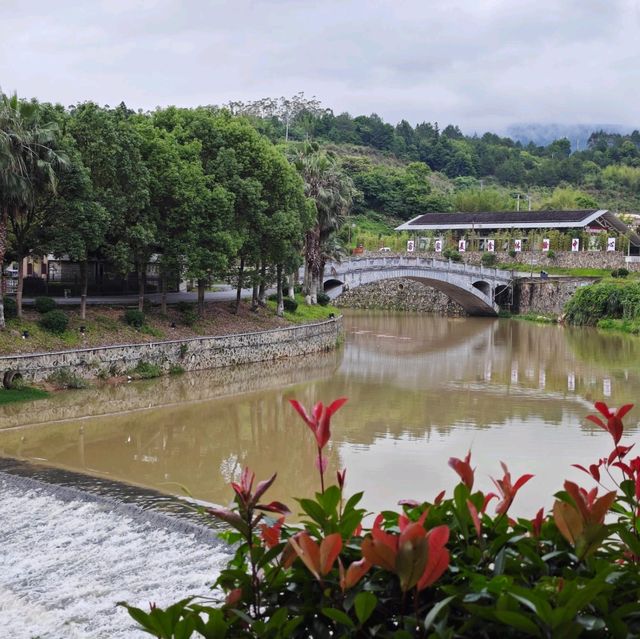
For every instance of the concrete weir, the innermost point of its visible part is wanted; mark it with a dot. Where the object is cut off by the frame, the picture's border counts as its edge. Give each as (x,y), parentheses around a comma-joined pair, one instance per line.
(68,556)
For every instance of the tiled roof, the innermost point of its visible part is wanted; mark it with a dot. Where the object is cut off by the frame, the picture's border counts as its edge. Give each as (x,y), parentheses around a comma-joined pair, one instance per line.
(513,218)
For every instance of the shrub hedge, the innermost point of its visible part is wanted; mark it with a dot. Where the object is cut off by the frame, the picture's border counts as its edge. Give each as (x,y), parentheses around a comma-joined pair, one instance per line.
(437,569)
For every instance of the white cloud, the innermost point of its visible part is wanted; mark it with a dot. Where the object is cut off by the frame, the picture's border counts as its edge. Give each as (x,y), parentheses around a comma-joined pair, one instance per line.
(481,64)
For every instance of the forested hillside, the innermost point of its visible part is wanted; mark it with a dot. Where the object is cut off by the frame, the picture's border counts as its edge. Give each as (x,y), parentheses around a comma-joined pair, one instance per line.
(401,170)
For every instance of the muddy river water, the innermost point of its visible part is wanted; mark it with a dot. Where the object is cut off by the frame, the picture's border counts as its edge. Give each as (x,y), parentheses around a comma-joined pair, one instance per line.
(420,389)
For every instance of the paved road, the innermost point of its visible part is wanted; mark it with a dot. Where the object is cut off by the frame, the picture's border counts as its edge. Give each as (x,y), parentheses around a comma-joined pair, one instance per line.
(132,300)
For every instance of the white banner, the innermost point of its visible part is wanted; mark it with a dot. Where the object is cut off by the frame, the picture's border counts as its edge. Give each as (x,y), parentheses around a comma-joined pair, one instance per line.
(575,244)
(438,246)
(410,246)
(611,244)
(491,246)
(517,245)
(462,246)
(546,243)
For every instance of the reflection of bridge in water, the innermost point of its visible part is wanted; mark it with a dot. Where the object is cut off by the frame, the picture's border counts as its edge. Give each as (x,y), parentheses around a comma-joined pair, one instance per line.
(487,356)
(477,289)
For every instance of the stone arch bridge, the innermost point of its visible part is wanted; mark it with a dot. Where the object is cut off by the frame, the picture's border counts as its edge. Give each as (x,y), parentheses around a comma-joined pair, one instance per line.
(479,290)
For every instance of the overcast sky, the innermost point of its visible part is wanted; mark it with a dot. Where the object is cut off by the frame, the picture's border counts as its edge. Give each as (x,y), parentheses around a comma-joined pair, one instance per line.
(482,64)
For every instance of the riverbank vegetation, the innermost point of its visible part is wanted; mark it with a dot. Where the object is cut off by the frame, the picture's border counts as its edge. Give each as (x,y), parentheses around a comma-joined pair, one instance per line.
(611,300)
(106,326)
(454,565)
(22,394)
(250,192)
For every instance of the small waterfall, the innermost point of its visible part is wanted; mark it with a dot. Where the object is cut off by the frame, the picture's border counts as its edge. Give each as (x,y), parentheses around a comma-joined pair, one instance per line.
(67,557)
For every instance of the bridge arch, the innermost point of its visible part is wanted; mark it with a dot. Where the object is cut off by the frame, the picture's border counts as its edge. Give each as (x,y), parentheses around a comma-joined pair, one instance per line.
(471,286)
(332,284)
(484,287)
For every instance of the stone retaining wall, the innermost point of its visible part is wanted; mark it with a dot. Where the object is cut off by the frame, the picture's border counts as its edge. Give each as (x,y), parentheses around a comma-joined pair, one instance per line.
(399,295)
(564,259)
(546,297)
(191,354)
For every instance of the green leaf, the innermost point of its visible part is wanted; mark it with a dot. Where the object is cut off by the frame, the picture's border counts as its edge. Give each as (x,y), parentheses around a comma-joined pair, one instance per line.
(500,562)
(518,621)
(216,625)
(435,610)
(365,603)
(291,625)
(589,622)
(278,618)
(338,616)
(534,601)
(314,510)
(585,596)
(352,502)
(633,543)
(329,500)
(184,628)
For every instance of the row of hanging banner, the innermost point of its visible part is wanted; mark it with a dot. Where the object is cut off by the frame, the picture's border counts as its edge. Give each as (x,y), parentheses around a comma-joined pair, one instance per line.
(490,245)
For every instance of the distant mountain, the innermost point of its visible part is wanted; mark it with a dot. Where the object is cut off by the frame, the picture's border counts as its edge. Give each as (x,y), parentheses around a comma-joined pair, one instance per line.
(578,134)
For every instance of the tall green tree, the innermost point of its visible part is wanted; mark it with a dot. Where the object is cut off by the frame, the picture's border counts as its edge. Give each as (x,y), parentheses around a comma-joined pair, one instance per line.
(29,161)
(332,192)
(80,221)
(110,147)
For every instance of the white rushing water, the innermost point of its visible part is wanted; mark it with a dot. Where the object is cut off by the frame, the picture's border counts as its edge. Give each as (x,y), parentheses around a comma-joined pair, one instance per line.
(65,563)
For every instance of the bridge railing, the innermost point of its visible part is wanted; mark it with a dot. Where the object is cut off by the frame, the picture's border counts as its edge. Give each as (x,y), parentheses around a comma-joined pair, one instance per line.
(446,266)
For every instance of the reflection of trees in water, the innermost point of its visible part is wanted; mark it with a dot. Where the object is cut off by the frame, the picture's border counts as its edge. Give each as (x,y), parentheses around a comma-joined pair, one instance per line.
(608,350)
(200,447)
(189,387)
(406,394)
(507,353)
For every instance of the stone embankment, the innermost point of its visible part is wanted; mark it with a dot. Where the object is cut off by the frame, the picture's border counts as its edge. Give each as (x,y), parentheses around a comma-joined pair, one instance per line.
(399,295)
(546,297)
(190,354)
(563,259)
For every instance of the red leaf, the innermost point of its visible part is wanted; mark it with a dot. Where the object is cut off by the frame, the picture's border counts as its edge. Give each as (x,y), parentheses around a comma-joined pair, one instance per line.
(521,482)
(623,410)
(597,420)
(262,487)
(603,409)
(473,511)
(303,413)
(274,507)
(330,548)
(335,405)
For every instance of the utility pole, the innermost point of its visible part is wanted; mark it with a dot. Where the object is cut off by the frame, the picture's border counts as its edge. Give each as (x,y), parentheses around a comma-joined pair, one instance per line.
(517,201)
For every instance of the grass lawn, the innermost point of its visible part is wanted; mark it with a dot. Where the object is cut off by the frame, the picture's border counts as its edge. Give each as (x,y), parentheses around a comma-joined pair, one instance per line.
(305,314)
(21,395)
(105,325)
(559,270)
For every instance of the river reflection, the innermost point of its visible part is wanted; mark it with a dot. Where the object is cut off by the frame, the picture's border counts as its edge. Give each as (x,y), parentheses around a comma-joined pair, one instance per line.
(420,390)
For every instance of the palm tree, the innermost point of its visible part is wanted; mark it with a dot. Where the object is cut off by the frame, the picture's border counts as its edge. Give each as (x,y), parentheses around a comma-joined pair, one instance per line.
(332,192)
(27,166)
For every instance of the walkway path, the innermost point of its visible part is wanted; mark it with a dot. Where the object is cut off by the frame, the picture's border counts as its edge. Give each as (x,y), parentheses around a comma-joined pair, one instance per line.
(132,300)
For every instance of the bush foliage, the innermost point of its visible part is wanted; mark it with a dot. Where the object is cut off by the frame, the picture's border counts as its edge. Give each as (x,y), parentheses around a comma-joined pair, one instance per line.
(10,307)
(323,299)
(290,305)
(145,370)
(55,321)
(134,317)
(44,304)
(489,259)
(443,568)
(63,378)
(603,300)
